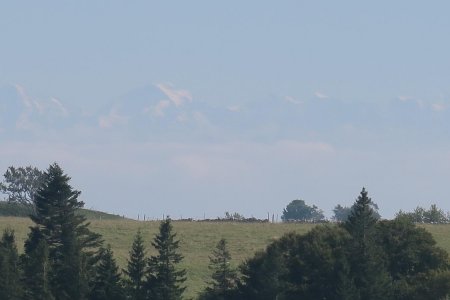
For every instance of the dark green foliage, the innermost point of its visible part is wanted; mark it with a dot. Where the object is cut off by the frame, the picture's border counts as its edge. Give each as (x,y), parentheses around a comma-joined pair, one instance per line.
(56,212)
(433,215)
(36,267)
(164,280)
(319,266)
(433,285)
(136,269)
(107,283)
(417,216)
(264,275)
(362,219)
(10,285)
(297,210)
(361,259)
(311,266)
(341,213)
(224,278)
(21,184)
(366,258)
(70,243)
(414,262)
(409,249)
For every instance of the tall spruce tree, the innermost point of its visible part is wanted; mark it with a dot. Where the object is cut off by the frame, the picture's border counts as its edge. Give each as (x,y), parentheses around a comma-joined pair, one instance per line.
(224,277)
(107,284)
(366,257)
(70,243)
(136,268)
(164,278)
(10,285)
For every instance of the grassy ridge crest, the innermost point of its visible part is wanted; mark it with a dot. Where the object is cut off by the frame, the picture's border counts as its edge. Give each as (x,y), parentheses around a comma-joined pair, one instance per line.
(11,209)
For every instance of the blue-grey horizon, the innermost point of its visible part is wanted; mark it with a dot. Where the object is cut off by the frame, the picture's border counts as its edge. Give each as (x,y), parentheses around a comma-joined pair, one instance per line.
(194,109)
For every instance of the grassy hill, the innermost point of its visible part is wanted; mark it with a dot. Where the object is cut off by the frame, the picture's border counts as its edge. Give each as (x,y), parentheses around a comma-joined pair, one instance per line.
(98,215)
(197,239)
(8,209)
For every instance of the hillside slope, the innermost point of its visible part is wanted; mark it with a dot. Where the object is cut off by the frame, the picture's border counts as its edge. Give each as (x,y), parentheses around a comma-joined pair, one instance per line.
(19,210)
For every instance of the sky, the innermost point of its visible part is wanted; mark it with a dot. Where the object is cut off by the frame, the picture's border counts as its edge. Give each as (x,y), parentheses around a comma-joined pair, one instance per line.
(195,108)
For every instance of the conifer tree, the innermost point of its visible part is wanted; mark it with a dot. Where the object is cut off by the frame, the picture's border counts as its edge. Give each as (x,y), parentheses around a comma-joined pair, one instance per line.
(136,268)
(107,283)
(224,277)
(164,279)
(70,243)
(366,257)
(10,287)
(36,267)
(362,219)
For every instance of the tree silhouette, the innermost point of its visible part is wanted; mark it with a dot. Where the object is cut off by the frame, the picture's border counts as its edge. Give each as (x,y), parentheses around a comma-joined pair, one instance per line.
(70,243)
(367,264)
(136,269)
(224,277)
(36,267)
(298,210)
(164,279)
(10,285)
(21,184)
(107,283)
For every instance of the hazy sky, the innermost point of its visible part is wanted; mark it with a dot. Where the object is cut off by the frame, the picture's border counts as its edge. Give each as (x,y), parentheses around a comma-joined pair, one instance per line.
(200,107)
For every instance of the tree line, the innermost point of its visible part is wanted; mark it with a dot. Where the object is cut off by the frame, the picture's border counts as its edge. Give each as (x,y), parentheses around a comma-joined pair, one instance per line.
(20,184)
(299,211)
(361,258)
(63,259)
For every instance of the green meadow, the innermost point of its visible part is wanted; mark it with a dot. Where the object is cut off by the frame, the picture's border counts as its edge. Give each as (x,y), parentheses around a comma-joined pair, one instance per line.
(197,240)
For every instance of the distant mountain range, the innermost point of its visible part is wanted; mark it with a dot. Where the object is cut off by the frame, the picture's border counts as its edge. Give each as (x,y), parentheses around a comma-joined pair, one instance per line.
(162,112)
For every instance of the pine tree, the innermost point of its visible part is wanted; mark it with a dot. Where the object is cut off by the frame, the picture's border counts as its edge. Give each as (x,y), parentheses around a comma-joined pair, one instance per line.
(362,219)
(36,267)
(163,278)
(107,283)
(70,243)
(10,286)
(366,257)
(223,277)
(136,268)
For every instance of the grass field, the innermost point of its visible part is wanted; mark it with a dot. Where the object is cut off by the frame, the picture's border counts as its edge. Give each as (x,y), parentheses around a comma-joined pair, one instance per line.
(197,240)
